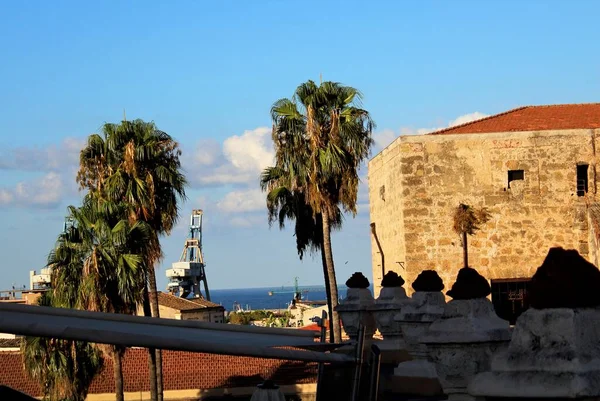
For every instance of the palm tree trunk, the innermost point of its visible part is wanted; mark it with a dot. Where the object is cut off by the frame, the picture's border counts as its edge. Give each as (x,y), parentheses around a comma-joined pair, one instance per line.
(118,371)
(328,292)
(335,320)
(465,251)
(151,351)
(156,313)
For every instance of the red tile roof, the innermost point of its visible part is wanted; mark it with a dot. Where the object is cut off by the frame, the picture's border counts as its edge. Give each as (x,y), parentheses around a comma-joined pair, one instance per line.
(205,303)
(533,118)
(183,304)
(311,327)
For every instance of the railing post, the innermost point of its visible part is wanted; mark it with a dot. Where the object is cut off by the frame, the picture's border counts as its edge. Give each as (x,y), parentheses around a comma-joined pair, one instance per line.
(321,367)
(360,345)
(375,370)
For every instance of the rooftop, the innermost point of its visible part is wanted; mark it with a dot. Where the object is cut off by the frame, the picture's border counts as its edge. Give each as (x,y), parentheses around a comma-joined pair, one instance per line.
(183,304)
(533,118)
(205,303)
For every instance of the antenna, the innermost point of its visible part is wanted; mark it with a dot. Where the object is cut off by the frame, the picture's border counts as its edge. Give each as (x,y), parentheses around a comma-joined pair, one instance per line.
(124,115)
(321,78)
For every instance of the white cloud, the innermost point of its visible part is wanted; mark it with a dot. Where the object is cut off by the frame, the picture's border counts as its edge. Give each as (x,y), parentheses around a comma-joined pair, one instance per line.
(248,200)
(467,118)
(387,136)
(45,191)
(207,152)
(246,221)
(384,138)
(253,150)
(59,163)
(240,160)
(6,197)
(53,157)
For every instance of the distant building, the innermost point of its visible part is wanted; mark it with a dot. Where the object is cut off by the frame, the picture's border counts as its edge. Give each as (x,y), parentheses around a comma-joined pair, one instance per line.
(173,307)
(534,168)
(28,297)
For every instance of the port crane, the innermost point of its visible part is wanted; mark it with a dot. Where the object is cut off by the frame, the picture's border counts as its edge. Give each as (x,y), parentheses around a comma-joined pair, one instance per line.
(298,293)
(186,275)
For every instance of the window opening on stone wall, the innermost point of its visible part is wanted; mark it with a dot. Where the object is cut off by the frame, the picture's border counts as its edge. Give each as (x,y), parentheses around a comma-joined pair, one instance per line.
(582,179)
(509,297)
(514,175)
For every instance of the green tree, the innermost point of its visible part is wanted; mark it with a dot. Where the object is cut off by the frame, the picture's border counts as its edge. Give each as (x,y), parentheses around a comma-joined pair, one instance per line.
(64,369)
(321,136)
(286,204)
(136,164)
(467,221)
(98,265)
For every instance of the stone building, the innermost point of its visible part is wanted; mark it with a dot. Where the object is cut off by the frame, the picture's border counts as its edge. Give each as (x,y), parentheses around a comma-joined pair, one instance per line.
(173,307)
(533,168)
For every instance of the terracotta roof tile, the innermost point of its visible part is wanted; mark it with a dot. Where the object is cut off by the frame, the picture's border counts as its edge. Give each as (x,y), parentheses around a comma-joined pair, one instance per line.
(533,118)
(183,304)
(205,303)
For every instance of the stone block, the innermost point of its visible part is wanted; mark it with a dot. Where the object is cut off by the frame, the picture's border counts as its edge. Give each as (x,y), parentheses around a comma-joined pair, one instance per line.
(553,354)
(461,343)
(355,310)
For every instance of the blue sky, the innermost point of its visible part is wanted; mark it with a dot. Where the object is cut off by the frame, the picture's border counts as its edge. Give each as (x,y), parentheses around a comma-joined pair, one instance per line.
(208,72)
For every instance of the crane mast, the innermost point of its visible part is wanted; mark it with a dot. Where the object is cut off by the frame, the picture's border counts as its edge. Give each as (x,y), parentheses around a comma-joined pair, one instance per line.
(186,275)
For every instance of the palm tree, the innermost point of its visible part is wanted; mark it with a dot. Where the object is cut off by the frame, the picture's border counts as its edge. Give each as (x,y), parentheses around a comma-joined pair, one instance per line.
(65,369)
(467,221)
(284,204)
(138,165)
(102,254)
(321,136)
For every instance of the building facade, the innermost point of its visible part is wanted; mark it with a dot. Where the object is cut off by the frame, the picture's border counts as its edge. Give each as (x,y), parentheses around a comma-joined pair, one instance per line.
(174,307)
(533,168)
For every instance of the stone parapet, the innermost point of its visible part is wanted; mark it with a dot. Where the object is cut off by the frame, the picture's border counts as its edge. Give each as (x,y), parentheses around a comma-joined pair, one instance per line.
(553,353)
(386,307)
(462,341)
(356,310)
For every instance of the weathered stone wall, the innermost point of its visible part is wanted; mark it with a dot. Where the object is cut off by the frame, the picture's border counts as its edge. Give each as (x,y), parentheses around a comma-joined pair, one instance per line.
(416,183)
(209,315)
(204,316)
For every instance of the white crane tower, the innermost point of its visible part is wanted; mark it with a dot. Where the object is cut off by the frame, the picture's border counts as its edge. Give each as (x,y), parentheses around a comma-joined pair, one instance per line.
(185,276)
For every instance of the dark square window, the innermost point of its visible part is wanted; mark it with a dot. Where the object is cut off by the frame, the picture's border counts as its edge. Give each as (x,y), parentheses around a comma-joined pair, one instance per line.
(514,175)
(510,297)
(582,179)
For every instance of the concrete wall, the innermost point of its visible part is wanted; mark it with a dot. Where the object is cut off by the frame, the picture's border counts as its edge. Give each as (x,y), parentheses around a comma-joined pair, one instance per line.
(304,314)
(204,316)
(416,183)
(209,315)
(169,313)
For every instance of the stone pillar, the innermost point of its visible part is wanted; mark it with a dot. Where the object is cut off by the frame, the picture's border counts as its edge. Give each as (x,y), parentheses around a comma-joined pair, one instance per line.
(554,352)
(415,319)
(356,308)
(461,342)
(392,299)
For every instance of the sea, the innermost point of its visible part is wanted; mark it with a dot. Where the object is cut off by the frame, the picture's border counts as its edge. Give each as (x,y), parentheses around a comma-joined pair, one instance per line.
(259,298)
